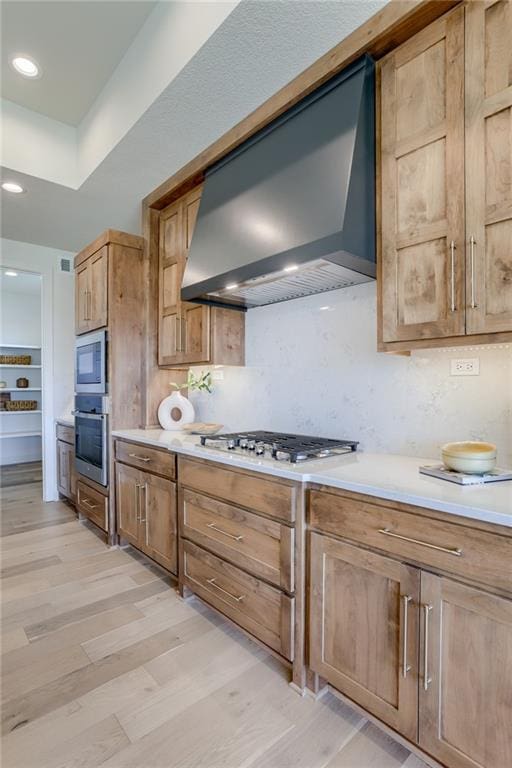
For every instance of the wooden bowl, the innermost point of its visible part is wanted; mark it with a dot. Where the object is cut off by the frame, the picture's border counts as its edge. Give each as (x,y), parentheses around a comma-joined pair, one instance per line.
(199,428)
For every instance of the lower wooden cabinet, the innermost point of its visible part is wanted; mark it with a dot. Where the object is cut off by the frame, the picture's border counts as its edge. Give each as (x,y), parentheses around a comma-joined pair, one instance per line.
(465,694)
(92,504)
(364,629)
(146,514)
(426,654)
(66,475)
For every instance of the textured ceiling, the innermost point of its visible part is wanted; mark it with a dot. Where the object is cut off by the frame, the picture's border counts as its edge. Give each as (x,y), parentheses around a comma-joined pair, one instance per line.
(89,37)
(259,48)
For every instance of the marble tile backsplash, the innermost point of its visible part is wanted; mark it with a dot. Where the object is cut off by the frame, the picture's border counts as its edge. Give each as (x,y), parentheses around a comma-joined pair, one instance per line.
(312,367)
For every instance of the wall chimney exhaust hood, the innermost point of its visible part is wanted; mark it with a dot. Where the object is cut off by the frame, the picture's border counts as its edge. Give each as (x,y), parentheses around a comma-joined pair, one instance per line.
(291,212)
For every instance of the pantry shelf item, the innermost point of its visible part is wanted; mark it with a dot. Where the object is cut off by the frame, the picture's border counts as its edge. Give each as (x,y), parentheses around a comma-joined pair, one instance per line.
(15,359)
(22,383)
(21,405)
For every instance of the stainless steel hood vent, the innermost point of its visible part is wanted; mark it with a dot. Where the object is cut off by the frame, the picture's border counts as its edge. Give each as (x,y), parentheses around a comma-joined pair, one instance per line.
(291,212)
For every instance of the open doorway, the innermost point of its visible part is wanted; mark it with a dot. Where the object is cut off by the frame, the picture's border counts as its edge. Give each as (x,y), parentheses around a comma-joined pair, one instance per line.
(21,387)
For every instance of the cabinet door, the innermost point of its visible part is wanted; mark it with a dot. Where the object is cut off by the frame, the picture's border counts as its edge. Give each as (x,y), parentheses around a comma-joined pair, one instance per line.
(98,291)
(159,520)
(489,166)
(72,472)
(170,278)
(364,629)
(63,469)
(422,184)
(82,298)
(195,318)
(128,502)
(466,686)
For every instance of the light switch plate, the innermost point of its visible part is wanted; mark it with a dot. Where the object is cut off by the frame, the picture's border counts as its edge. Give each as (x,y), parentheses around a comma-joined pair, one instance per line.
(465,366)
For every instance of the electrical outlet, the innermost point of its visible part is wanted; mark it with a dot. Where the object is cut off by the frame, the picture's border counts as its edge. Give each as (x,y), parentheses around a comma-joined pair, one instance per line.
(465,366)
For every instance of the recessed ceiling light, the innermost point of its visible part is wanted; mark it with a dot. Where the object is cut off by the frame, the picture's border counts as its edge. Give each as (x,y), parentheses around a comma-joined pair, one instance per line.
(291,268)
(231,286)
(11,186)
(25,66)
(10,273)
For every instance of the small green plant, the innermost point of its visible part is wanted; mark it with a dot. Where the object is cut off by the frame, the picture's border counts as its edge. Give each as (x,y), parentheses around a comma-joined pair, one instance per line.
(200,383)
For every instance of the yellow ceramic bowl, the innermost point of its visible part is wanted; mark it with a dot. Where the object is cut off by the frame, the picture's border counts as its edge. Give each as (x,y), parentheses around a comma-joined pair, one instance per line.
(470,457)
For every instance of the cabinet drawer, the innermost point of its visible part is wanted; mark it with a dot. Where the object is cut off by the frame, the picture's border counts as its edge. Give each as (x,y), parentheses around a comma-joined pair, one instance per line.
(150,459)
(261,546)
(264,611)
(92,504)
(274,498)
(66,434)
(468,552)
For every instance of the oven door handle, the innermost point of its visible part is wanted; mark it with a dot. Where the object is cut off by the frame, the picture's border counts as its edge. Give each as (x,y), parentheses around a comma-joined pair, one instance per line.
(97,416)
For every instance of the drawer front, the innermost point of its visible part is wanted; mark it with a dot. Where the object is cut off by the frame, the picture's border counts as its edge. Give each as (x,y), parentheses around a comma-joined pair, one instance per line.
(149,459)
(264,611)
(92,504)
(468,552)
(261,546)
(66,434)
(273,498)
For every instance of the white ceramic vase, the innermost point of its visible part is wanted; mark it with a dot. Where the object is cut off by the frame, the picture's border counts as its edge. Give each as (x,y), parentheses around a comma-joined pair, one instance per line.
(174,411)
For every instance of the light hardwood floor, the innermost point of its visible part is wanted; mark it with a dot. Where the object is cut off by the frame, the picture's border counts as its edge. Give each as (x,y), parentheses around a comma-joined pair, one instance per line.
(103,664)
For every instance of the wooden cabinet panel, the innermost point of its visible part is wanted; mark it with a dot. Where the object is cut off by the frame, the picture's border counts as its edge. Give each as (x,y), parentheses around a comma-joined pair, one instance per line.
(65,433)
(196,332)
(171,264)
(144,457)
(363,611)
(128,484)
(98,290)
(270,497)
(262,610)
(422,145)
(263,547)
(158,518)
(467,552)
(92,504)
(489,166)
(63,468)
(466,705)
(82,299)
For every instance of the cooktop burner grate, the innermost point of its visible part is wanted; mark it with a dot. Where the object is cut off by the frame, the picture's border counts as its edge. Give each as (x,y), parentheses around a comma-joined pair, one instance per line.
(280,445)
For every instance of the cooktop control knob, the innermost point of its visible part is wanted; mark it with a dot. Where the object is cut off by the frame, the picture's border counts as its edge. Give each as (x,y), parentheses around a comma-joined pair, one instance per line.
(231,444)
(243,442)
(260,449)
(251,445)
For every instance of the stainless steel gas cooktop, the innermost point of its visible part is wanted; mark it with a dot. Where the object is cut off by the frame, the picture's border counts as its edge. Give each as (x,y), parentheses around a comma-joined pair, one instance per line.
(279,445)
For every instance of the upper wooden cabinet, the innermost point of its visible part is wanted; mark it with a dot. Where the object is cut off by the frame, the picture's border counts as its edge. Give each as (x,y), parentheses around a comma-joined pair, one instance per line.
(190,333)
(446,182)
(91,292)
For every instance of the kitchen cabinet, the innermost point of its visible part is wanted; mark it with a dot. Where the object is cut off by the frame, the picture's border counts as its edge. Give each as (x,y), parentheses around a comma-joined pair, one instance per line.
(190,333)
(146,508)
(364,629)
(66,474)
(91,292)
(466,675)
(399,624)
(446,182)
(92,502)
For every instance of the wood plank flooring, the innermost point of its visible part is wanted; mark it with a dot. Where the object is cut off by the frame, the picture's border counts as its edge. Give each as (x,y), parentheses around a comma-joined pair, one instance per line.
(21,474)
(104,665)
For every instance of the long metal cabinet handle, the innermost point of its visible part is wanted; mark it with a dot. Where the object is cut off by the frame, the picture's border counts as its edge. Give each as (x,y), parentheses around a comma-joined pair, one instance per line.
(472,243)
(224,533)
(405,667)
(426,679)
(139,458)
(238,598)
(136,491)
(452,260)
(142,488)
(448,550)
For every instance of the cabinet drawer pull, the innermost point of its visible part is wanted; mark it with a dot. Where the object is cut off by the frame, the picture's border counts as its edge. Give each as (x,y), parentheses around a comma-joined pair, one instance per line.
(142,487)
(426,679)
(448,550)
(89,504)
(139,458)
(224,533)
(452,276)
(405,667)
(238,598)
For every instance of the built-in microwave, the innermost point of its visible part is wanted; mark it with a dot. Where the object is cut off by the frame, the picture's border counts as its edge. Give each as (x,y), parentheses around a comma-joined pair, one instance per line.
(91,363)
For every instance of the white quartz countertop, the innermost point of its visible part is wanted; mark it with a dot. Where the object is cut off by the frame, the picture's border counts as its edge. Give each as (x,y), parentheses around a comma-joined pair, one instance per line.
(68,421)
(387,476)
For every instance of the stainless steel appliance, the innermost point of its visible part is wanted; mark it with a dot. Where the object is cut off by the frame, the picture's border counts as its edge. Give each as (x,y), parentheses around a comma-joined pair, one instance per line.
(279,446)
(91,363)
(91,437)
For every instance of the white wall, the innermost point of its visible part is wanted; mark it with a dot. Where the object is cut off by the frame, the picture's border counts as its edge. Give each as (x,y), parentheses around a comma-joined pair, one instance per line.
(20,318)
(58,337)
(316,371)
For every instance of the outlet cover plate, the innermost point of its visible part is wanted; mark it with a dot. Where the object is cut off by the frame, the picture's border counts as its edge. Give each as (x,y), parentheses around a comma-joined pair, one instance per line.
(465,366)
